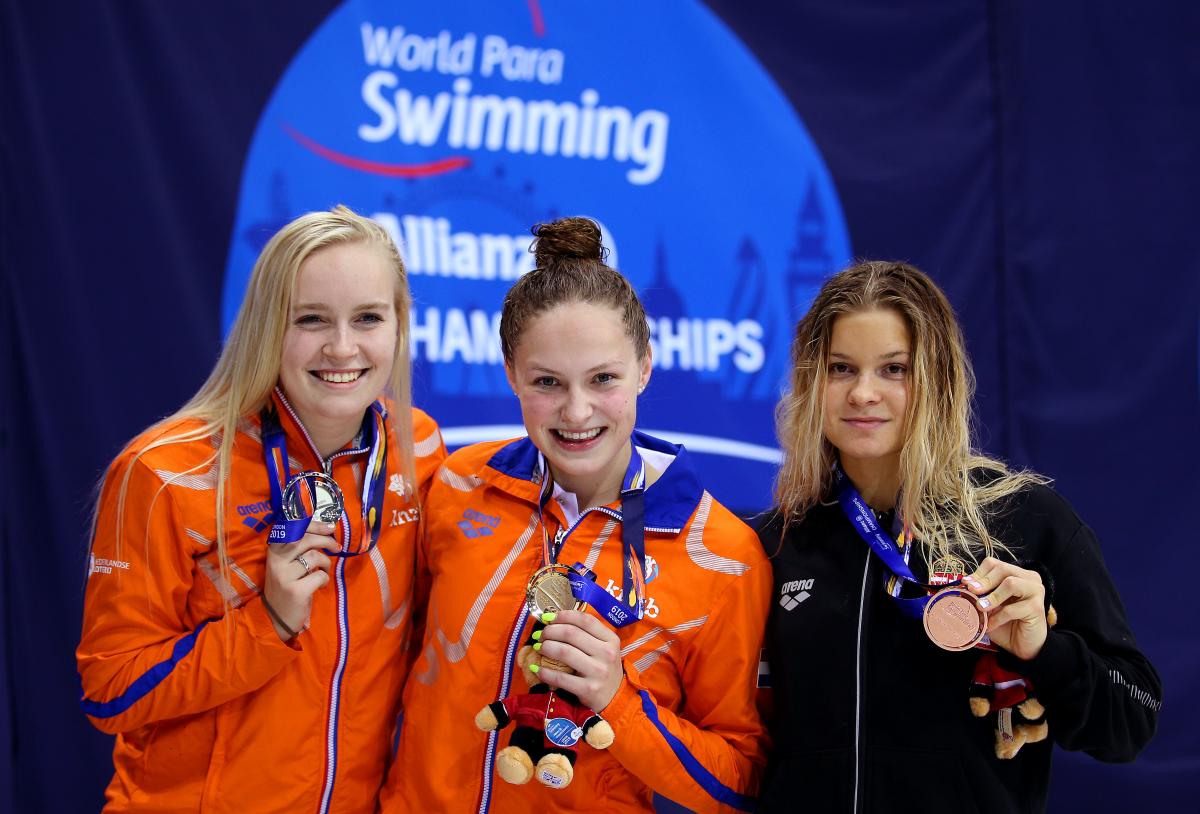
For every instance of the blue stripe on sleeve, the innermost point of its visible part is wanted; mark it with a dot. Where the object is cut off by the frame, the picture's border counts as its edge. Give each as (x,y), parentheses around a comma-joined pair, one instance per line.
(703,777)
(146,682)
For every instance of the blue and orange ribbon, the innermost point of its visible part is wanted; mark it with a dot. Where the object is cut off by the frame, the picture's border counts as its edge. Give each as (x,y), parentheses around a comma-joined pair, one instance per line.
(374,434)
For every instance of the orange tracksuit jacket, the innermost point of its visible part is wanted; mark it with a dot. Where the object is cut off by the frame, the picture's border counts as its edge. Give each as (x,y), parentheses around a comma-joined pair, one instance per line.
(684,716)
(212,712)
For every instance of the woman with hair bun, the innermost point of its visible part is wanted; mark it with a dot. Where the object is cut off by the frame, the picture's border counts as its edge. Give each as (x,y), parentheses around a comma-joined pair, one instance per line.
(914,665)
(680,582)
(247,654)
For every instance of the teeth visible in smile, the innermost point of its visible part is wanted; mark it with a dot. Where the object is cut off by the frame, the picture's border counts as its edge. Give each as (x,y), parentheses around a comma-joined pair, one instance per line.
(339,377)
(586,435)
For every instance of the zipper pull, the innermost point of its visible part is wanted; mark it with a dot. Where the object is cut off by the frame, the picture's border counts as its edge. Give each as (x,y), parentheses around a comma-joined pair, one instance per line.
(559,536)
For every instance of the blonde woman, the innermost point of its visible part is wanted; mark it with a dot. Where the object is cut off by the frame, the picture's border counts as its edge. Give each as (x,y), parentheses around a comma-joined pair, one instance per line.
(888,523)
(245,661)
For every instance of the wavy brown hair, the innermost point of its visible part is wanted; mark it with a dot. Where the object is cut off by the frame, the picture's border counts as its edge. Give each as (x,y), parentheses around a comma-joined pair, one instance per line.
(947,488)
(570,268)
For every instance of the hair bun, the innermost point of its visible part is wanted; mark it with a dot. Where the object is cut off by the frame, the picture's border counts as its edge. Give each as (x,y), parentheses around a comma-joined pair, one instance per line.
(568,238)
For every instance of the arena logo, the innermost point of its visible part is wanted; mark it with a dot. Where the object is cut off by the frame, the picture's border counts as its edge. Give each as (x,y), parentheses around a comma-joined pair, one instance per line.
(457,126)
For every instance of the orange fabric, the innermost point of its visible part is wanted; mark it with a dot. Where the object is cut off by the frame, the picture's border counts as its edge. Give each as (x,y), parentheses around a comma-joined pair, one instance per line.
(695,654)
(240,721)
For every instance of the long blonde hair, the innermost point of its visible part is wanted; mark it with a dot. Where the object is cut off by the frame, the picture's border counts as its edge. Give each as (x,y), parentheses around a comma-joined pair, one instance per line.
(947,488)
(241,383)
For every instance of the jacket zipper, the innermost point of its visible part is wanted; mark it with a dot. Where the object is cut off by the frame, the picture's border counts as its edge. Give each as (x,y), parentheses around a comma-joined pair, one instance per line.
(858,680)
(615,514)
(343,620)
(506,672)
(560,539)
(489,757)
(506,675)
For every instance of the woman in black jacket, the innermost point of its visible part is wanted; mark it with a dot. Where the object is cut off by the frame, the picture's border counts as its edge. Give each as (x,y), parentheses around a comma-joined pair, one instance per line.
(892,539)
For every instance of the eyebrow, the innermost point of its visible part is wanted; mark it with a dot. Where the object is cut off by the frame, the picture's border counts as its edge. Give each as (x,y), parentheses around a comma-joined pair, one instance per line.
(320,306)
(535,367)
(892,355)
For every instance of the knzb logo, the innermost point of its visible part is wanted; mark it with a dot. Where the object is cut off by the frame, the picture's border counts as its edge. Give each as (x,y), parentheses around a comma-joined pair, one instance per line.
(401,517)
(651,568)
(794,592)
(650,610)
(477,524)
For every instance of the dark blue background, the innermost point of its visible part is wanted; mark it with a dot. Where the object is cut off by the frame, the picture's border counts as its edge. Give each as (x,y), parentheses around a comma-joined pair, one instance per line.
(1039,159)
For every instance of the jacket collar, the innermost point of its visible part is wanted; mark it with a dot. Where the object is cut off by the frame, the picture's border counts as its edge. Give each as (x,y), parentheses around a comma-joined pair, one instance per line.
(670,500)
(296,432)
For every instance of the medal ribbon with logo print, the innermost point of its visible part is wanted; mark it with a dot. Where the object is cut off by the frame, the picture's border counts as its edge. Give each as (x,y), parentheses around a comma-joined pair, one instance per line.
(632,605)
(374,435)
(894,555)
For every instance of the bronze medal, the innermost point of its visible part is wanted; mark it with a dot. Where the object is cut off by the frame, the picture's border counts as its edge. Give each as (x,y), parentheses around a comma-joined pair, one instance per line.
(549,591)
(954,620)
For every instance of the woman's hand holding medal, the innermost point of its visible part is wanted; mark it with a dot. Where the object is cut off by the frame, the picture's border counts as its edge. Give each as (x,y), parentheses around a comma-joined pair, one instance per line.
(1015,601)
(589,647)
(296,571)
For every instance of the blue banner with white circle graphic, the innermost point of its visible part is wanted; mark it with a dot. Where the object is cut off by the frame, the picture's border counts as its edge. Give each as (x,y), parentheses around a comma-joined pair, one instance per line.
(459,125)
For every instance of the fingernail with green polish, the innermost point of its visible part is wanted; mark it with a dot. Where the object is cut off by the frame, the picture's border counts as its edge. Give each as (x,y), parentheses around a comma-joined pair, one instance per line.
(537,635)
(533,668)
(537,646)
(548,617)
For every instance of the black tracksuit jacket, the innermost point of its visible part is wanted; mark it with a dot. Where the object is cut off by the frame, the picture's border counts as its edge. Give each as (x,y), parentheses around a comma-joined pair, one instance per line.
(870,716)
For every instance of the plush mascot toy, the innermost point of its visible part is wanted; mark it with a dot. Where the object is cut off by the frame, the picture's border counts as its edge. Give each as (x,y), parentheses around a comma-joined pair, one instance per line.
(1020,717)
(549,723)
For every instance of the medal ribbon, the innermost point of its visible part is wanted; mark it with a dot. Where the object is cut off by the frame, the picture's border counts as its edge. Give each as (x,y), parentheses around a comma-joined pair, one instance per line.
(633,541)
(894,555)
(278,474)
(549,550)
(374,479)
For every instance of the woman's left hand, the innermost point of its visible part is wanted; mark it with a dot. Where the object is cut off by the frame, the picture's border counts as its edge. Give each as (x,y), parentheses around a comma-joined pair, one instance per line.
(1015,601)
(591,649)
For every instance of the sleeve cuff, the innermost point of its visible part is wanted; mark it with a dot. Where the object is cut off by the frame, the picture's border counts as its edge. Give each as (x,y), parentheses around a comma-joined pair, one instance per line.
(263,628)
(626,703)
(1057,664)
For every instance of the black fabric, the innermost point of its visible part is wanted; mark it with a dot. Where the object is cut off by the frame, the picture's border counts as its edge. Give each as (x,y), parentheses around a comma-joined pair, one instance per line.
(851,675)
(502,719)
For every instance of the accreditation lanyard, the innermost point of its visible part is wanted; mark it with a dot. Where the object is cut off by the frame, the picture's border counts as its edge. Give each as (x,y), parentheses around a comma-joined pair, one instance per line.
(893,550)
(374,435)
(631,606)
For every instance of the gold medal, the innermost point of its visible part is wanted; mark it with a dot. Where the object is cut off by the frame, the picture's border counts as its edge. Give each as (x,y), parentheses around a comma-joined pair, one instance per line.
(549,591)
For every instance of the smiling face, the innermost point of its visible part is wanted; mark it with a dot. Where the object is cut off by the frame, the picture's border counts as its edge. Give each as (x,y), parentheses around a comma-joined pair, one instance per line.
(577,375)
(340,342)
(866,393)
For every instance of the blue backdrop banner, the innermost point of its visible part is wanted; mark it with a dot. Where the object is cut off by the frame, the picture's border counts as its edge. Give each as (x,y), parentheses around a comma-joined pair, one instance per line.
(459,126)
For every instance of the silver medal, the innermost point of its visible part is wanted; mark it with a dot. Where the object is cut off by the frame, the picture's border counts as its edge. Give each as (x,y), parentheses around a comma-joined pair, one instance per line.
(313,494)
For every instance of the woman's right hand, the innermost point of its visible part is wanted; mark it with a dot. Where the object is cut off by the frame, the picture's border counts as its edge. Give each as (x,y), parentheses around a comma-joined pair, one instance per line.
(296,571)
